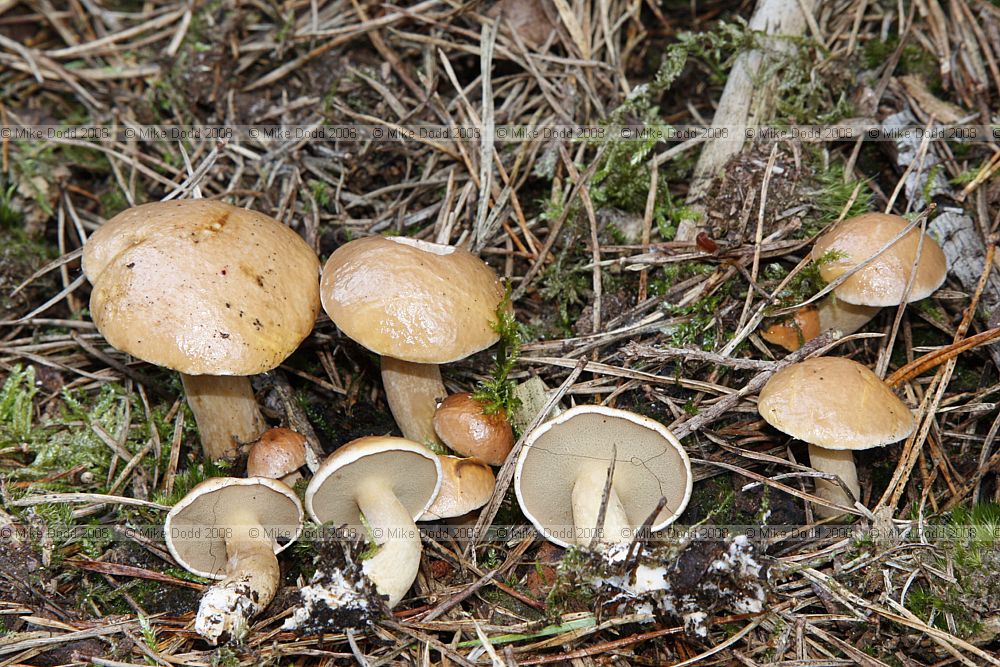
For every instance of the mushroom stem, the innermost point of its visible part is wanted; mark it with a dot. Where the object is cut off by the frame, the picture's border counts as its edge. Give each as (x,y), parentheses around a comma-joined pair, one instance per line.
(252,576)
(839,462)
(588,491)
(395,566)
(226,412)
(413,391)
(837,314)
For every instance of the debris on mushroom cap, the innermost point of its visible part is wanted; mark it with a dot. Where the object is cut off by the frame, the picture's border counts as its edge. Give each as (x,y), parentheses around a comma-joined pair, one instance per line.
(169,288)
(412,300)
(461,424)
(882,282)
(225,501)
(650,464)
(528,18)
(466,485)
(278,452)
(835,403)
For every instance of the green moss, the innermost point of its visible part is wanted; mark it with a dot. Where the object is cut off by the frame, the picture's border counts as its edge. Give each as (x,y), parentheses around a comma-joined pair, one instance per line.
(913,60)
(497,392)
(966,541)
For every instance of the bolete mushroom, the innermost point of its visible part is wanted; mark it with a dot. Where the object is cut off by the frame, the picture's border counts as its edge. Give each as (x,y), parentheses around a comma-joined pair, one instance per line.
(837,406)
(563,467)
(210,290)
(417,304)
(466,485)
(390,482)
(231,529)
(882,282)
(462,425)
(277,454)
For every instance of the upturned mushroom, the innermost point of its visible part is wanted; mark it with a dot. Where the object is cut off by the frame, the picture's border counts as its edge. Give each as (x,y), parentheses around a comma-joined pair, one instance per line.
(838,406)
(466,485)
(389,482)
(418,305)
(462,425)
(563,468)
(278,453)
(232,529)
(882,282)
(210,290)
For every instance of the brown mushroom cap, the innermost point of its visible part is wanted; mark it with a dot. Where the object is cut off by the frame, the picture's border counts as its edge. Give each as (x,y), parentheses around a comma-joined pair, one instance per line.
(202,287)
(460,423)
(790,333)
(278,452)
(409,469)
(466,484)
(883,281)
(650,463)
(834,403)
(195,529)
(413,300)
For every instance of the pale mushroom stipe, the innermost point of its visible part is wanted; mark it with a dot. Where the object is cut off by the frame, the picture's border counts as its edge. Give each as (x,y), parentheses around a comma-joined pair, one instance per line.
(170,289)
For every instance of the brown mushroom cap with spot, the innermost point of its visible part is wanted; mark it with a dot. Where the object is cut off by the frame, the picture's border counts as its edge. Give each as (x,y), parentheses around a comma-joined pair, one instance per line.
(883,281)
(231,529)
(277,454)
(417,304)
(209,290)
(563,466)
(466,485)
(391,482)
(202,287)
(462,425)
(837,406)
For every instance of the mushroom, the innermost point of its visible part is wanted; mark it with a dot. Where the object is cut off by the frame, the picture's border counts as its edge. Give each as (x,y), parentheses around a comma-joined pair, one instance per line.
(390,482)
(277,454)
(466,485)
(462,425)
(210,290)
(231,529)
(563,468)
(882,282)
(837,406)
(417,304)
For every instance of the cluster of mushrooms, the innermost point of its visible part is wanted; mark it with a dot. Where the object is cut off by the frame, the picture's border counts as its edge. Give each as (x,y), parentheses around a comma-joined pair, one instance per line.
(220,293)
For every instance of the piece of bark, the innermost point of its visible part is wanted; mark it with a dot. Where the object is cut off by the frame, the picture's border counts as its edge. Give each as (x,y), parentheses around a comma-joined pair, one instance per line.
(744,102)
(959,236)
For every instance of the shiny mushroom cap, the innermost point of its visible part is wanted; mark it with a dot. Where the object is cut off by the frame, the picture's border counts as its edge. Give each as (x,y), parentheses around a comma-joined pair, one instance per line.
(834,403)
(195,529)
(409,469)
(466,485)
(461,424)
(202,287)
(883,281)
(650,464)
(412,300)
(278,452)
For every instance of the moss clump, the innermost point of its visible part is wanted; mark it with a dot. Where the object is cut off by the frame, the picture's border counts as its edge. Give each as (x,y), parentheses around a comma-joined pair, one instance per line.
(967,542)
